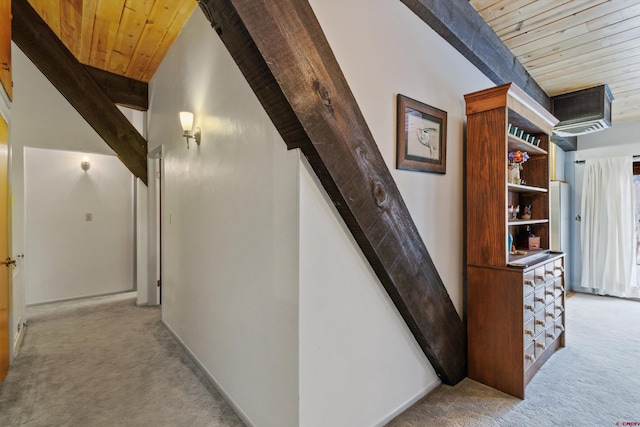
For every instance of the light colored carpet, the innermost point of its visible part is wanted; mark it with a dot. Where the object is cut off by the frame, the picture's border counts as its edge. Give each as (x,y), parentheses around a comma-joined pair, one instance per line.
(593,381)
(105,362)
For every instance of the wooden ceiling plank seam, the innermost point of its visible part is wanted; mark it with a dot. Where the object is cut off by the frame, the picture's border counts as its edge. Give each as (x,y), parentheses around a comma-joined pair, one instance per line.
(502,8)
(89,8)
(108,15)
(170,36)
(49,10)
(593,66)
(535,16)
(589,42)
(152,35)
(71,24)
(572,83)
(591,18)
(559,86)
(129,34)
(560,42)
(585,52)
(480,5)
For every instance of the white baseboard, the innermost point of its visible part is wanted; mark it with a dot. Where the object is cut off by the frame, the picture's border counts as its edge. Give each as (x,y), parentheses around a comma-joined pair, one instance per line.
(243,416)
(105,294)
(419,395)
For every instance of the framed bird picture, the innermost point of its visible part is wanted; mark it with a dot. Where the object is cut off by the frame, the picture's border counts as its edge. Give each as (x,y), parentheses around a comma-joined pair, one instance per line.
(421,137)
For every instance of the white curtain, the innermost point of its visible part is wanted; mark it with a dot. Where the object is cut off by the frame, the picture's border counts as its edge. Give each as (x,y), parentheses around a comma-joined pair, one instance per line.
(608,227)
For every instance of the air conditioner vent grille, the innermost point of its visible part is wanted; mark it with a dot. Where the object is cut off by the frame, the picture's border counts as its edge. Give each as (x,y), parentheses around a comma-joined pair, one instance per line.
(581,128)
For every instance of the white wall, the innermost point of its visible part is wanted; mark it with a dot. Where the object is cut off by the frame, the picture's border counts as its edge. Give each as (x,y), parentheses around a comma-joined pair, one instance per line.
(66,255)
(622,139)
(230,273)
(240,276)
(355,348)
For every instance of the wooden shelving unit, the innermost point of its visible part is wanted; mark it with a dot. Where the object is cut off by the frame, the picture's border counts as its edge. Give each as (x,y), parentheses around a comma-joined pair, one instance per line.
(515,301)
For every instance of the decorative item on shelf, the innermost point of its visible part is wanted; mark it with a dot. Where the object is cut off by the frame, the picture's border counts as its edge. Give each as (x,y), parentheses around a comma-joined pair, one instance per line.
(526,213)
(516,159)
(510,247)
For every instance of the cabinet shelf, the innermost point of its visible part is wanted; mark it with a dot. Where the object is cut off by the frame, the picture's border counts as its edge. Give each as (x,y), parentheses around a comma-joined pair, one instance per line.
(527,221)
(516,143)
(517,188)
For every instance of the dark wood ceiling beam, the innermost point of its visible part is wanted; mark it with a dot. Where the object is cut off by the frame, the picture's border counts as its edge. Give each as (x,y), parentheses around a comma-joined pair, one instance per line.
(122,90)
(285,57)
(32,35)
(459,24)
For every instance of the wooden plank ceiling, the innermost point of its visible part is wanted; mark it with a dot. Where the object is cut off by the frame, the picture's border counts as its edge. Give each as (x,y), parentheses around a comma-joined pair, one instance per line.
(567,45)
(125,37)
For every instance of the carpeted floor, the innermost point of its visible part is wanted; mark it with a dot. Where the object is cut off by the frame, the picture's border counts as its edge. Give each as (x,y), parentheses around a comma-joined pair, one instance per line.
(593,381)
(105,362)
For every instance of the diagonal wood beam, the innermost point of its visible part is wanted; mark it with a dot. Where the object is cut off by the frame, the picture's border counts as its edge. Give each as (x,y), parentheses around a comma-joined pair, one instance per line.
(122,90)
(48,53)
(283,53)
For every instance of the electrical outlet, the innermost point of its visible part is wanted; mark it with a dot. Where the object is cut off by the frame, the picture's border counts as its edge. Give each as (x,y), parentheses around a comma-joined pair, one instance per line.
(88,217)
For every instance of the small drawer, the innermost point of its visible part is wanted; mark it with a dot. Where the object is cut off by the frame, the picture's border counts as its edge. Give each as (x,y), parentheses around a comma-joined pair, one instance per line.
(529,283)
(559,325)
(529,331)
(558,287)
(550,335)
(550,313)
(539,276)
(539,323)
(529,355)
(539,299)
(558,308)
(558,268)
(549,275)
(529,307)
(549,293)
(540,345)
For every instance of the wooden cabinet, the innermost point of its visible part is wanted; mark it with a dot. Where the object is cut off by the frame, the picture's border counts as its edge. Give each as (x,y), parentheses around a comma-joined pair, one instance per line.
(5,47)
(515,299)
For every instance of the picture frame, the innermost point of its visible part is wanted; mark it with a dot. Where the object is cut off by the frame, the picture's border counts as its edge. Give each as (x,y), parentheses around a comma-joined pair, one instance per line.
(421,137)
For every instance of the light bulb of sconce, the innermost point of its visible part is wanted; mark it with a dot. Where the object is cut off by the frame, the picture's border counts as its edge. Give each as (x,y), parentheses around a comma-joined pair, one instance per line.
(85,164)
(186,120)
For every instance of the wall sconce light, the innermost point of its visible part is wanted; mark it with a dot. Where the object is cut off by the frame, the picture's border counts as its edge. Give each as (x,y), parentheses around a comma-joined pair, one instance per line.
(85,164)
(186,120)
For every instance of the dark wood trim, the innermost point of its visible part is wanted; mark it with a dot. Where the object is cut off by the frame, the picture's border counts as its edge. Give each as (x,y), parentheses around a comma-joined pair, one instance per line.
(32,35)
(636,168)
(296,77)
(459,24)
(122,90)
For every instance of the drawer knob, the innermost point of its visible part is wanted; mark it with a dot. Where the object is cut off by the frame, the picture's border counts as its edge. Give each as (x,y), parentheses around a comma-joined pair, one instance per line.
(559,267)
(560,287)
(549,293)
(560,327)
(550,335)
(528,332)
(541,345)
(530,357)
(539,277)
(560,308)
(528,307)
(540,322)
(539,299)
(530,283)
(549,314)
